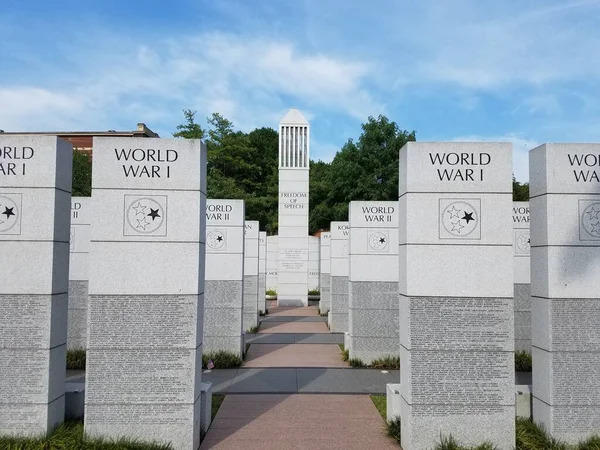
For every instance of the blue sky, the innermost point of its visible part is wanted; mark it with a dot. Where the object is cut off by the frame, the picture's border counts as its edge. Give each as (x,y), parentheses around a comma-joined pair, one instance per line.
(523,71)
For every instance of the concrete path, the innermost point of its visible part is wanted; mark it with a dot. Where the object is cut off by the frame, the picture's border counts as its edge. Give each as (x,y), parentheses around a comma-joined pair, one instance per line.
(300,380)
(294,355)
(292,327)
(295,338)
(282,422)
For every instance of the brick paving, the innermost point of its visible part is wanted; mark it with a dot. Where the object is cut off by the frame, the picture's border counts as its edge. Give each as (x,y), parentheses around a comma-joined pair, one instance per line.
(296,421)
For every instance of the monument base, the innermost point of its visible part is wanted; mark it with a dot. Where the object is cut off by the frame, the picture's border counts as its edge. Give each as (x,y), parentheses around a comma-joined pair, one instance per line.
(292,301)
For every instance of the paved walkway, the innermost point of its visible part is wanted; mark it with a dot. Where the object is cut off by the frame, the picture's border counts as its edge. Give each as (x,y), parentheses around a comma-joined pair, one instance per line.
(294,380)
(282,422)
(295,353)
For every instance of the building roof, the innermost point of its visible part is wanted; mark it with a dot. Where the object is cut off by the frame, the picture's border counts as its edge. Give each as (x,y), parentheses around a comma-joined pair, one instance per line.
(83,139)
(294,117)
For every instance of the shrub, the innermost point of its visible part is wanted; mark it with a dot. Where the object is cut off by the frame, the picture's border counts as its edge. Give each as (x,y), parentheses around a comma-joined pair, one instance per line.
(314,292)
(522,361)
(271,292)
(252,330)
(394,429)
(356,363)
(221,359)
(69,436)
(531,436)
(345,353)
(386,363)
(449,443)
(76,359)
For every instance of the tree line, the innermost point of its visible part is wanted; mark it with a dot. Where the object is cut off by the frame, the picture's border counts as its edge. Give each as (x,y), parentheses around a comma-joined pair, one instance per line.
(245,166)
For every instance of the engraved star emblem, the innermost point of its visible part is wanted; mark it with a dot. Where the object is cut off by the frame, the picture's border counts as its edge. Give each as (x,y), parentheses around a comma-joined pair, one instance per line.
(153,213)
(468,217)
(456,226)
(9,212)
(594,214)
(454,212)
(596,227)
(142,223)
(139,209)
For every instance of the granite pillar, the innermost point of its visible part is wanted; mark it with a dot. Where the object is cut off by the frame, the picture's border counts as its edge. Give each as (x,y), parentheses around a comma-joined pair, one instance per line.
(224,285)
(262,271)
(79,253)
(314,263)
(251,249)
(294,164)
(35,195)
(145,317)
(272,255)
(522,274)
(565,288)
(373,313)
(325,283)
(456,294)
(339,276)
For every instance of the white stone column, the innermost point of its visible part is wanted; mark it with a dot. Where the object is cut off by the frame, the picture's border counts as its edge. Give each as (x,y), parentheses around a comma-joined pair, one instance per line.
(325,302)
(522,274)
(35,194)
(373,313)
(339,276)
(144,357)
(272,264)
(565,288)
(314,263)
(224,285)
(251,248)
(294,138)
(262,271)
(79,254)
(456,294)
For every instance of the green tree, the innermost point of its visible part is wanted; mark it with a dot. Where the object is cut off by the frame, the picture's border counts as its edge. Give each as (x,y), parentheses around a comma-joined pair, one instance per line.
(240,166)
(190,129)
(362,170)
(520,191)
(82,174)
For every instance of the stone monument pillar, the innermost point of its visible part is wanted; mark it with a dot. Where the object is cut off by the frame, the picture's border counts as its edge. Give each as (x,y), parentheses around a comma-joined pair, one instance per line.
(456,294)
(79,247)
(272,255)
(373,313)
(224,285)
(294,144)
(251,248)
(262,271)
(522,273)
(325,302)
(565,288)
(144,357)
(339,277)
(314,263)
(35,196)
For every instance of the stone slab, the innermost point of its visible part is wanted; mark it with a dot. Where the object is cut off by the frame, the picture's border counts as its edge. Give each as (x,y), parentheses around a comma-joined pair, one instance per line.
(145,320)
(294,355)
(35,194)
(293,327)
(264,381)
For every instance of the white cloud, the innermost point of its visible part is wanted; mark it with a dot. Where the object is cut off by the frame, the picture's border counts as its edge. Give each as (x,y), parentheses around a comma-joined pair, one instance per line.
(27,107)
(248,80)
